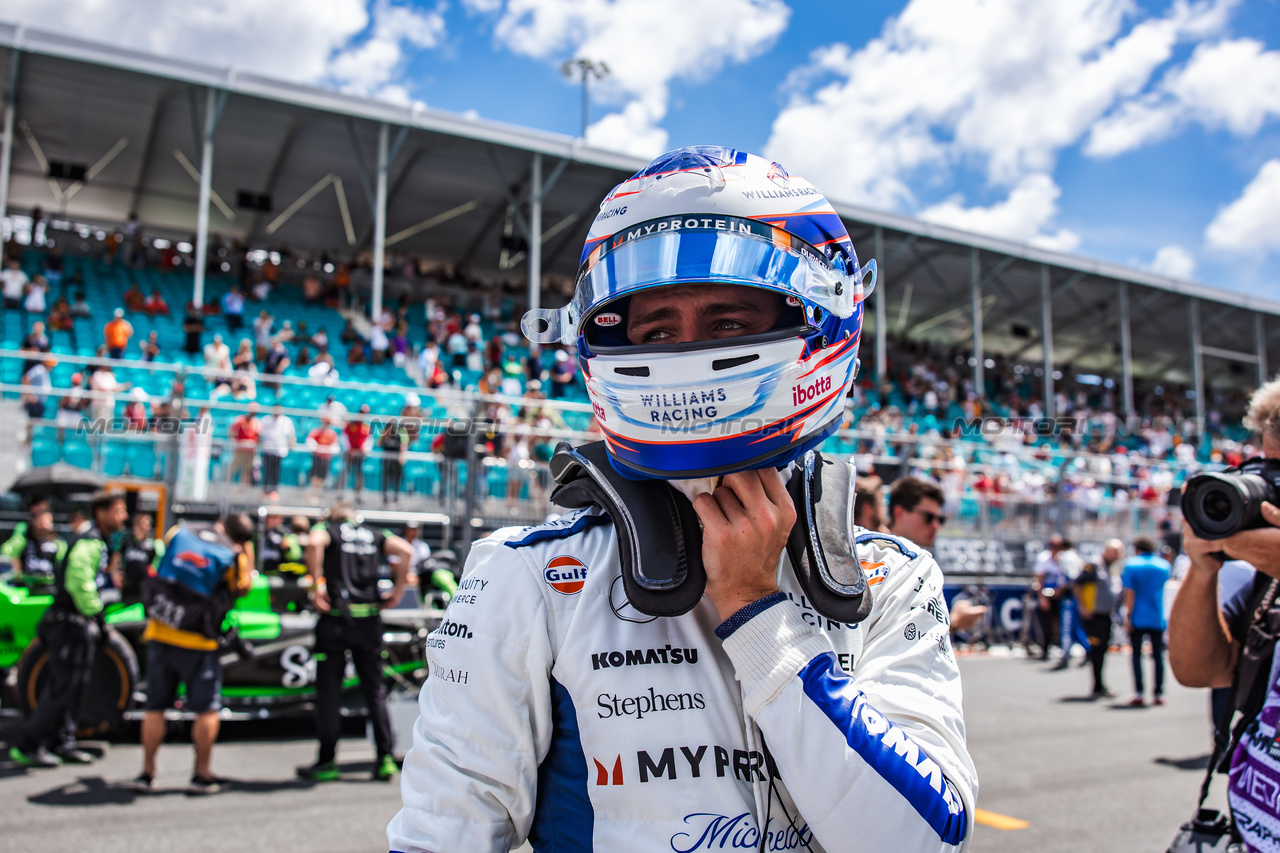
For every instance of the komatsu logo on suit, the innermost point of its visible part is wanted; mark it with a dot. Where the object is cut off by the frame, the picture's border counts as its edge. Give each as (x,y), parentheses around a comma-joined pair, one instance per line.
(566,575)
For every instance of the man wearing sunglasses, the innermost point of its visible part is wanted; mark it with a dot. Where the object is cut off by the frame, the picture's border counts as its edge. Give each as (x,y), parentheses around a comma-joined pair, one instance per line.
(915,510)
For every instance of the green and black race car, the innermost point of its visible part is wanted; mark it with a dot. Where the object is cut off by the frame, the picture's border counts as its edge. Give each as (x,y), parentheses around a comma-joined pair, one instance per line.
(268,671)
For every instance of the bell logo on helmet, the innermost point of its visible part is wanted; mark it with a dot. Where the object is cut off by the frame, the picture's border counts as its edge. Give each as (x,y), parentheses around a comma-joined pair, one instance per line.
(805,393)
(566,575)
(607,319)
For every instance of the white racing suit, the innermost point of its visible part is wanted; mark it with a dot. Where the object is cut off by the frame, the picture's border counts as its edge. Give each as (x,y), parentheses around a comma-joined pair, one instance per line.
(554,711)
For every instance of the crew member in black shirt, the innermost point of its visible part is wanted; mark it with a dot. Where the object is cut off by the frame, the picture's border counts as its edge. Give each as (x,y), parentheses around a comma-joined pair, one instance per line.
(344,562)
(135,558)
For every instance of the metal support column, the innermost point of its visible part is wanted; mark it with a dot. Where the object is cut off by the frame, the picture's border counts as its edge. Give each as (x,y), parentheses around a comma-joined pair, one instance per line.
(881,294)
(379,226)
(1260,344)
(1197,365)
(535,239)
(6,152)
(1126,352)
(1046,339)
(212,112)
(975,298)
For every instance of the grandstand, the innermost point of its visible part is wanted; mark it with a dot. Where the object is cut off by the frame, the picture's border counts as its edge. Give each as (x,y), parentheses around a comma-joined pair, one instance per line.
(120,168)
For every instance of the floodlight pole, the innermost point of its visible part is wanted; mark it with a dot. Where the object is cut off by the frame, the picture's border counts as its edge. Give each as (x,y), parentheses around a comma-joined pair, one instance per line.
(535,240)
(379,227)
(214,102)
(6,152)
(584,69)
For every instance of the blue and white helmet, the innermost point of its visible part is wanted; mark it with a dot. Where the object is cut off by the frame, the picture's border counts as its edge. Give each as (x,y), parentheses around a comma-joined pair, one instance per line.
(713,215)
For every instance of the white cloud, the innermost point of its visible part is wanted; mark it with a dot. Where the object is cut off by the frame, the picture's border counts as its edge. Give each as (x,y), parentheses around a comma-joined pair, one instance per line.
(367,68)
(1175,262)
(1251,223)
(1000,85)
(304,41)
(647,44)
(1231,84)
(1023,216)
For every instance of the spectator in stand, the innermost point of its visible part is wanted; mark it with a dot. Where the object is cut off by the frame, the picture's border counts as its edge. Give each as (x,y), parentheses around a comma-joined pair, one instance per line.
(80,306)
(37,291)
(493,350)
(868,505)
(277,360)
(333,411)
(428,360)
(324,443)
(60,319)
(193,327)
(1145,576)
(217,357)
(35,341)
(562,374)
(37,385)
(276,438)
(400,345)
(135,411)
(243,360)
(53,266)
(322,370)
(457,349)
(915,510)
(71,407)
(155,305)
(393,445)
(134,299)
(473,333)
(349,334)
(13,282)
(411,418)
(357,439)
(233,308)
(116,334)
(151,347)
(320,340)
(355,354)
(102,407)
(285,335)
(262,333)
(243,433)
(378,344)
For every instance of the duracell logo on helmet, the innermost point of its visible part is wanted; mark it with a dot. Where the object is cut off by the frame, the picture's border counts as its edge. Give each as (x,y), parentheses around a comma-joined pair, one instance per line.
(642,657)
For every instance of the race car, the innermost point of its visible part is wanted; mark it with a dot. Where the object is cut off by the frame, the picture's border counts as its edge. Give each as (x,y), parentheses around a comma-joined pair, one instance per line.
(268,669)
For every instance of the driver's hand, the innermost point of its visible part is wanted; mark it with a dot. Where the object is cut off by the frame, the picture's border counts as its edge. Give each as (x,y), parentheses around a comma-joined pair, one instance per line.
(745,525)
(1260,547)
(321,600)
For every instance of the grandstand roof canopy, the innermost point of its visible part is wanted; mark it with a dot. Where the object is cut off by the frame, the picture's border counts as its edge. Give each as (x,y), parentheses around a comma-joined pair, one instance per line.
(133,122)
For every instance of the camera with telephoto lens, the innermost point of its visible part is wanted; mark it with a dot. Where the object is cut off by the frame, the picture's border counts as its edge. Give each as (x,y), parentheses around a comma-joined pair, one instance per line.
(1218,505)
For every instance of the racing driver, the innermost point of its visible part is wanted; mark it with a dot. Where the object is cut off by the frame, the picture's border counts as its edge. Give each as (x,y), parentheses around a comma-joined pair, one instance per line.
(716,317)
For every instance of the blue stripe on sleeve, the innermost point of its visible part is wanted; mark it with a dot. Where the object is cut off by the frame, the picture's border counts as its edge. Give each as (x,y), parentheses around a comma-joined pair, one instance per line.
(558,530)
(886,748)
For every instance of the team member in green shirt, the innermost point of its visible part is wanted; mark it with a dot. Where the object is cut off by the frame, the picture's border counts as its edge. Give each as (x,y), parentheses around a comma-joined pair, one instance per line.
(70,630)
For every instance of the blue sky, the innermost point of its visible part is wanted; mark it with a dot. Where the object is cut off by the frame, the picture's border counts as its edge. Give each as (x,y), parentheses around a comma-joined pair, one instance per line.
(1145,132)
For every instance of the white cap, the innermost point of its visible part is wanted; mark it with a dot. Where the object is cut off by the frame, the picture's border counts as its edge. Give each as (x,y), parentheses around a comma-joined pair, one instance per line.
(119,312)
(412,399)
(138,394)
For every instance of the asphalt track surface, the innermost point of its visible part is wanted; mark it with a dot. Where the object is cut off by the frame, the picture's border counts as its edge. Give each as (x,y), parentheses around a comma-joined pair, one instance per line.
(1084,776)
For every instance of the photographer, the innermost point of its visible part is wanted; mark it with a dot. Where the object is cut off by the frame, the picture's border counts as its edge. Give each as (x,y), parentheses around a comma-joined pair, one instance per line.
(1206,635)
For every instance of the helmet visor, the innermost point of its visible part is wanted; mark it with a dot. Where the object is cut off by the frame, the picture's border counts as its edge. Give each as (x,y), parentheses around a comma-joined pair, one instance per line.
(694,249)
